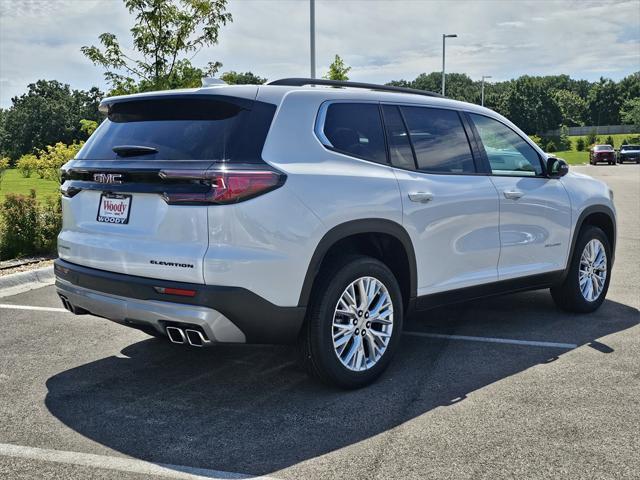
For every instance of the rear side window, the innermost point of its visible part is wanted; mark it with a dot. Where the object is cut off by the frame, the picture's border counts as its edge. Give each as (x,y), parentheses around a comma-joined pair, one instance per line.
(184,128)
(439,140)
(356,129)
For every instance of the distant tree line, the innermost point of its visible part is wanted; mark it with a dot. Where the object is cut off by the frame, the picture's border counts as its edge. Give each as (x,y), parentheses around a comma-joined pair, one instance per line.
(540,104)
(48,113)
(51,112)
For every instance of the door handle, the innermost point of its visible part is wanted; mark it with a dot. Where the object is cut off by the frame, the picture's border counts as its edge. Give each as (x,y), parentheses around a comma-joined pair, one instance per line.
(513,194)
(420,197)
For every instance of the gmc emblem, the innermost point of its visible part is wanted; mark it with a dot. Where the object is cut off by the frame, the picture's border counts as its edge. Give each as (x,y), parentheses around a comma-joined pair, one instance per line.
(107,177)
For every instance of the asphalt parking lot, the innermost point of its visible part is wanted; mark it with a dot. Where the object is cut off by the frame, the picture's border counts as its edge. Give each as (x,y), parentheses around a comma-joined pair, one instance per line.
(507,387)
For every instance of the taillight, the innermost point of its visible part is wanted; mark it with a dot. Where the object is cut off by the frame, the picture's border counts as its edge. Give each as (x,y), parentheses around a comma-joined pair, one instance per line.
(221,186)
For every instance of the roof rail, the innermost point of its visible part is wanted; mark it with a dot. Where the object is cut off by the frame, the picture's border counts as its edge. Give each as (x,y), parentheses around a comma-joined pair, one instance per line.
(299,82)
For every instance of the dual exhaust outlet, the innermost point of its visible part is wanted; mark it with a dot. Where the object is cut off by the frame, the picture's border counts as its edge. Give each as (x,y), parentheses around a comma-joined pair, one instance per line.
(195,338)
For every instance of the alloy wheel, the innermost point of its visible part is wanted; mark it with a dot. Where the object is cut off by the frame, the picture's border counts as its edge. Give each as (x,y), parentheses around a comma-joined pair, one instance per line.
(592,272)
(362,323)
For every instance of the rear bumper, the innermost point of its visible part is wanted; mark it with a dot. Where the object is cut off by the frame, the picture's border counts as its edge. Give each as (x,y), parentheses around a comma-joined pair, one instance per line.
(225,314)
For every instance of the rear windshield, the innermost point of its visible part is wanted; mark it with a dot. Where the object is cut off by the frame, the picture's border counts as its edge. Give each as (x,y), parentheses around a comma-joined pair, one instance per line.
(603,148)
(183,128)
(630,147)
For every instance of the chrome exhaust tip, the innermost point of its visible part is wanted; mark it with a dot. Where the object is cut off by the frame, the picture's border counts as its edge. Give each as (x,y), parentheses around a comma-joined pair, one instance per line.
(195,338)
(176,335)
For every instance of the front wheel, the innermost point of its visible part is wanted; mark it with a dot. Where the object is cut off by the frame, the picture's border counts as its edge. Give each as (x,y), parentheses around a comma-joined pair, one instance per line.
(585,286)
(354,323)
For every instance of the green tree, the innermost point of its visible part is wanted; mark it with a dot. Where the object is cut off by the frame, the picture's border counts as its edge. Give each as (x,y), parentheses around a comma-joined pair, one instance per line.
(630,112)
(604,103)
(609,141)
(459,85)
(166,35)
(246,78)
(338,70)
(629,86)
(527,103)
(573,109)
(48,113)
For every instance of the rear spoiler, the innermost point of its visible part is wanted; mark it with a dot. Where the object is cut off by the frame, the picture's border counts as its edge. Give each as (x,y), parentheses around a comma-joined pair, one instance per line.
(107,104)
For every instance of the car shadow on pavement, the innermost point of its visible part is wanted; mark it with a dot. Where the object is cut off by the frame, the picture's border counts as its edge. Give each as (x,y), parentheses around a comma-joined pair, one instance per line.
(251,409)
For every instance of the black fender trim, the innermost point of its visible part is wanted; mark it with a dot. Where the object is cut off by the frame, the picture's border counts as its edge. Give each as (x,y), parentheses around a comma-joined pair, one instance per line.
(354,227)
(260,320)
(578,226)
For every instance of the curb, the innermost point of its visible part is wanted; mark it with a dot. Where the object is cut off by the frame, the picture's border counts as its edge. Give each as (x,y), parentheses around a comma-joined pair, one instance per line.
(24,281)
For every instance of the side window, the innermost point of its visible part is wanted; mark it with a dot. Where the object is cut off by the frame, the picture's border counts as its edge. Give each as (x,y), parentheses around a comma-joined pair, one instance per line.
(439,140)
(356,129)
(400,151)
(507,152)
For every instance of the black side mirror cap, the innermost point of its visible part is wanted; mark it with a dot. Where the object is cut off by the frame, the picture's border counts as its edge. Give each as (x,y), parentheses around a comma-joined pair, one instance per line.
(556,167)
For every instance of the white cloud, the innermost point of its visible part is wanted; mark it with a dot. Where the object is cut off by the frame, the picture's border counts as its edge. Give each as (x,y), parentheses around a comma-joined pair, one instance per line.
(516,24)
(381,40)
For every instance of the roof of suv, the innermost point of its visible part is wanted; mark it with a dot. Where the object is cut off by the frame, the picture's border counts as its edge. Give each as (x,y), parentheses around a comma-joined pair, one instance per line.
(274,93)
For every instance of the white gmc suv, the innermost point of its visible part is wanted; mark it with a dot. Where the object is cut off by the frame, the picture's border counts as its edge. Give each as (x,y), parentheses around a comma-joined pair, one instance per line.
(320,212)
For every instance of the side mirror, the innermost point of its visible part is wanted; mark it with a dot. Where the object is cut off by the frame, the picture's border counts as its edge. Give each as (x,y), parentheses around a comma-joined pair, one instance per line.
(556,167)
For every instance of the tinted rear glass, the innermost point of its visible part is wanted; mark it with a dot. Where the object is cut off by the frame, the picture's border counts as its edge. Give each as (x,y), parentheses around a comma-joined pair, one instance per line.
(603,148)
(356,129)
(630,147)
(184,128)
(439,140)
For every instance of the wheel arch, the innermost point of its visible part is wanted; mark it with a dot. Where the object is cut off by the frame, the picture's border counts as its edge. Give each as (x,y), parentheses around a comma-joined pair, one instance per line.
(366,233)
(600,216)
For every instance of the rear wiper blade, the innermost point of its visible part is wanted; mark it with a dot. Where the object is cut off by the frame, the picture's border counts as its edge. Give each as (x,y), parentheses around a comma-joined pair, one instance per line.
(133,150)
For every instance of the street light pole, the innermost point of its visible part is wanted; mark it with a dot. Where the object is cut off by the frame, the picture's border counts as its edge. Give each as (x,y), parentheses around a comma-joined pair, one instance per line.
(482,90)
(312,33)
(445,36)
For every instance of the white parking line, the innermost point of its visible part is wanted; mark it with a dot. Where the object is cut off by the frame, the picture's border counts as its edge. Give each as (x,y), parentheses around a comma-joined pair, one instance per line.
(29,307)
(120,464)
(510,341)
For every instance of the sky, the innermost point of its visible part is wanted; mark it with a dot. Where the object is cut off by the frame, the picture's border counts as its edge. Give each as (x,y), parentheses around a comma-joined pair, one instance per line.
(381,40)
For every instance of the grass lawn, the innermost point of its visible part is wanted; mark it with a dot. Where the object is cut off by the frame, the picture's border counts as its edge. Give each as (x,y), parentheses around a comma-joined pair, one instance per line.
(13,182)
(572,157)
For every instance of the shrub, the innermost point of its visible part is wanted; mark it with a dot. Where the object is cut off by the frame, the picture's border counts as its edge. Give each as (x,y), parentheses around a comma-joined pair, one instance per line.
(29,227)
(625,141)
(53,157)
(49,225)
(537,140)
(564,142)
(20,218)
(592,138)
(4,165)
(609,141)
(551,147)
(88,126)
(27,164)
(580,144)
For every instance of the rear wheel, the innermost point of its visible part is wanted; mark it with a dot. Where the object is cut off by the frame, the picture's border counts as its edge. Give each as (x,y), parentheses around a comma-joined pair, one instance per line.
(587,280)
(354,323)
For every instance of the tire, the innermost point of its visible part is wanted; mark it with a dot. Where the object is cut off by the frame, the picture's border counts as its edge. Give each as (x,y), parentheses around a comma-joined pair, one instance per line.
(330,363)
(568,295)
